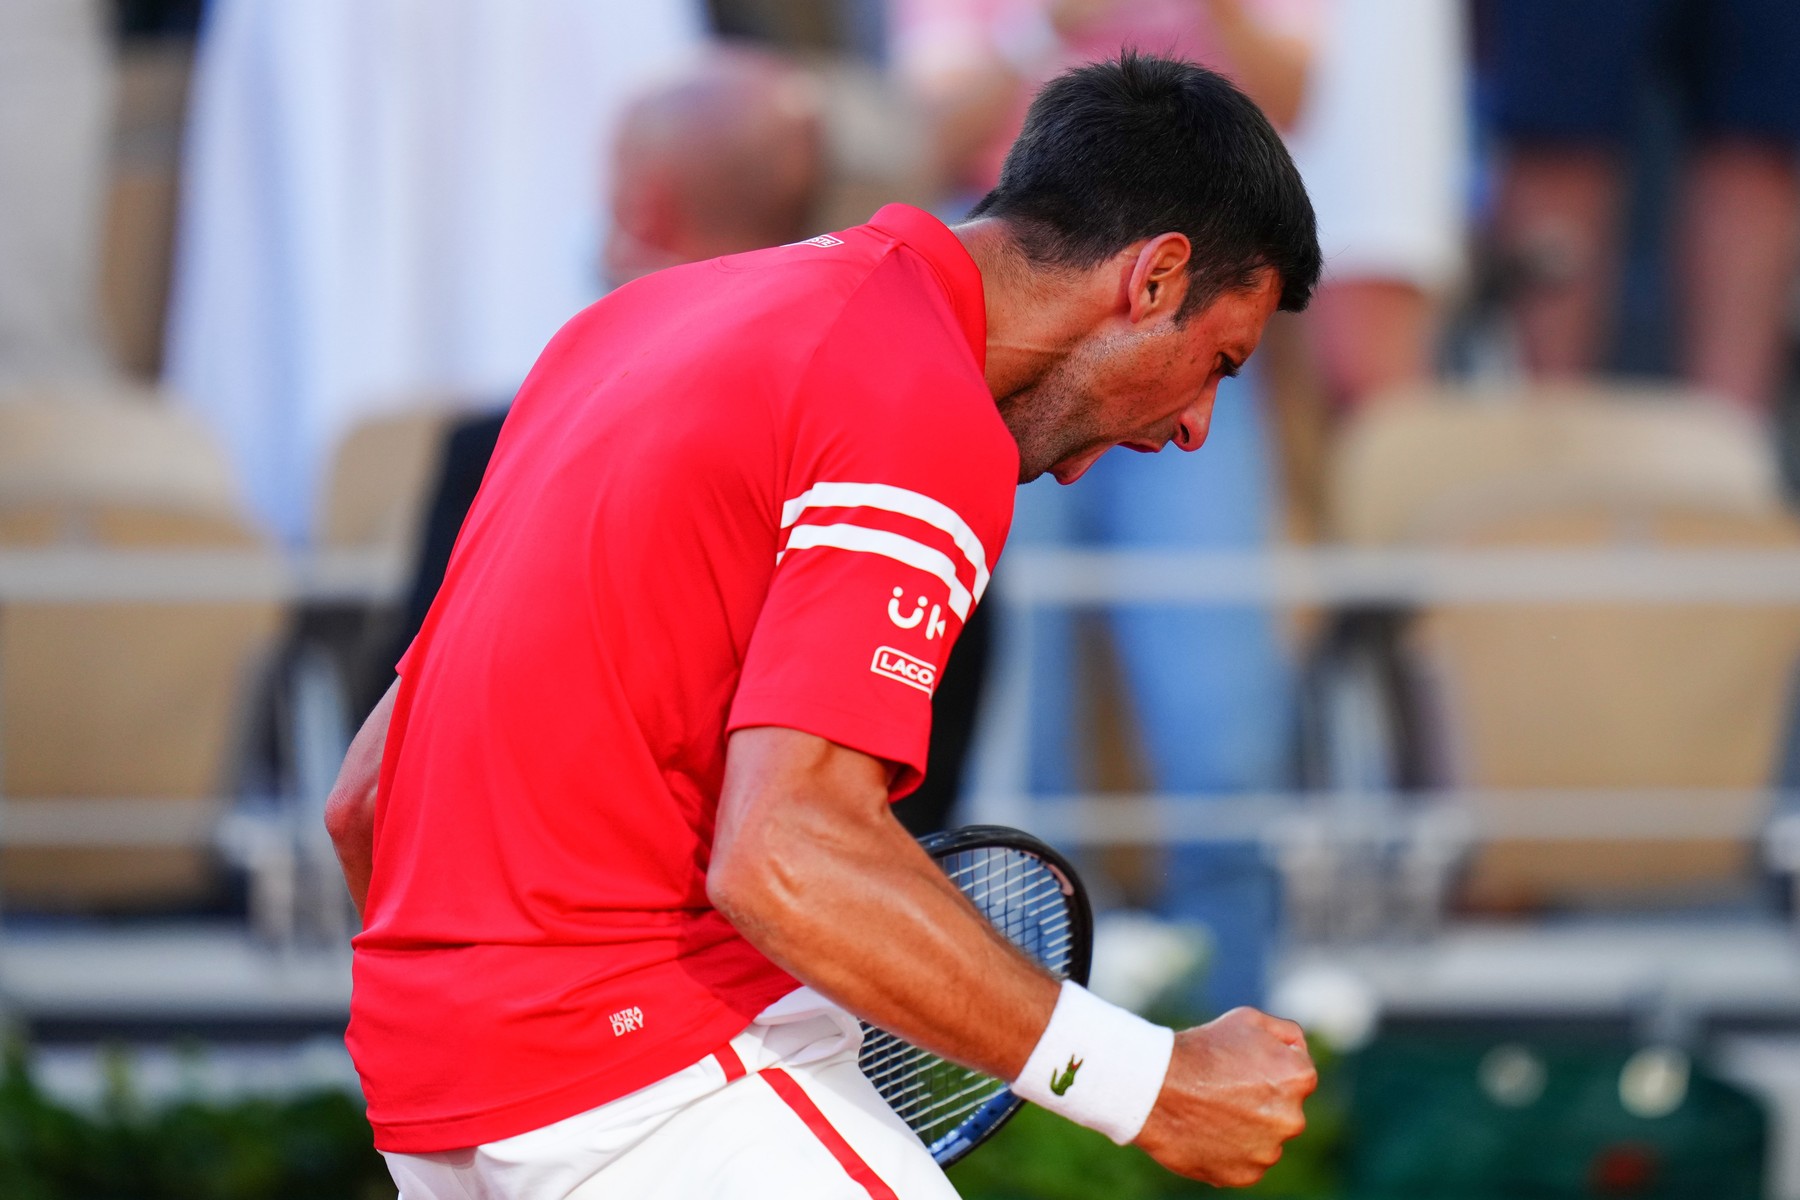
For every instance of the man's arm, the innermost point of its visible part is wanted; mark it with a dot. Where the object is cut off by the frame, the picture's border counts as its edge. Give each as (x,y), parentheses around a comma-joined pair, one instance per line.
(350,810)
(812,868)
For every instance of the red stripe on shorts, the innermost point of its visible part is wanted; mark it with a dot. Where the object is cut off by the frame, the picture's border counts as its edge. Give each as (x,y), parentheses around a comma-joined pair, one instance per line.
(847,1157)
(729,1061)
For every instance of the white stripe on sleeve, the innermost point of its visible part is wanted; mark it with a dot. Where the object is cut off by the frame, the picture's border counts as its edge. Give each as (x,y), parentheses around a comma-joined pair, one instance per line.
(889,545)
(900,500)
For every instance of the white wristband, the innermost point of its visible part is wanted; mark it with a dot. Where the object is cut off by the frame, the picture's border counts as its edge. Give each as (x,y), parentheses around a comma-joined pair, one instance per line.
(1097,1064)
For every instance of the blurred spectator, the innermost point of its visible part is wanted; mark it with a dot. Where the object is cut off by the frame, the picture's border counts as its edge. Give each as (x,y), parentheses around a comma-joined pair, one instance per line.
(1567,81)
(55,121)
(1211,689)
(1381,140)
(725,159)
(383,199)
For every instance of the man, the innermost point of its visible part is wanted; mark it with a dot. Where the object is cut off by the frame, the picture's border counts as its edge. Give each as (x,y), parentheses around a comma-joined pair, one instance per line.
(631,788)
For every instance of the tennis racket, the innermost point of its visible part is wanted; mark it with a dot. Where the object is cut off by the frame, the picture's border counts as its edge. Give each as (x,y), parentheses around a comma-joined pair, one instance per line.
(1030,894)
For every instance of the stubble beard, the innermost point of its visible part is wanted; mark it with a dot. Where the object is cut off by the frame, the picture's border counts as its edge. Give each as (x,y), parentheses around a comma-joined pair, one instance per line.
(1050,420)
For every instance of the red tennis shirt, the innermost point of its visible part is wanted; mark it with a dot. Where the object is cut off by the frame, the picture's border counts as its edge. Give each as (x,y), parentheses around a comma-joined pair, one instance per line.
(760,490)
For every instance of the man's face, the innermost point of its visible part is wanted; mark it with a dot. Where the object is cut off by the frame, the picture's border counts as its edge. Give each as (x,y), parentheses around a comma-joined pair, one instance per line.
(1136,384)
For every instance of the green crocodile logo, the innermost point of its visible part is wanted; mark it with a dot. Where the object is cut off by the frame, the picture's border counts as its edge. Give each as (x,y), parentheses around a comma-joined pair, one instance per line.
(1061,1083)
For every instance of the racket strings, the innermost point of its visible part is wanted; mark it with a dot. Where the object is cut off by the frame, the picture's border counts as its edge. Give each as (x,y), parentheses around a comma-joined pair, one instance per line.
(1023,898)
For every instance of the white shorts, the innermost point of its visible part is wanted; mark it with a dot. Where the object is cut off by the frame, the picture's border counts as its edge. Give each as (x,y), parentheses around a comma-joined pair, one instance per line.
(782,1113)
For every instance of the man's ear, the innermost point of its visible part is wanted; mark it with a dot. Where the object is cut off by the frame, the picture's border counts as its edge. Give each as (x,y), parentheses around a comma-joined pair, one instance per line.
(1159,277)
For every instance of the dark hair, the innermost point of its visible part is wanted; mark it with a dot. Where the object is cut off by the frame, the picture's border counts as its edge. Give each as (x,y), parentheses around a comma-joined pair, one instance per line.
(1117,151)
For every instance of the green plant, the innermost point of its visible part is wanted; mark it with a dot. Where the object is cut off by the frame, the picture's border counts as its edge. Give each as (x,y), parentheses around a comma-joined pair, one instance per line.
(301,1147)
(317,1145)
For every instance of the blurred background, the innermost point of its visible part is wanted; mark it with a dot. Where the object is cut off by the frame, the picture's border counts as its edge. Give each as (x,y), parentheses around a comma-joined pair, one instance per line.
(1444,702)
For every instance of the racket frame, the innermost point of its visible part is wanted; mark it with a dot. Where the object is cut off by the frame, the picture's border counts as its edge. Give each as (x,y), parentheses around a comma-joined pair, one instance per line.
(999,1109)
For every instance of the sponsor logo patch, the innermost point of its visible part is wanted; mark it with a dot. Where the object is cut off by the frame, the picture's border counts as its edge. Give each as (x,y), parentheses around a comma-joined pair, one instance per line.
(913,672)
(934,628)
(918,613)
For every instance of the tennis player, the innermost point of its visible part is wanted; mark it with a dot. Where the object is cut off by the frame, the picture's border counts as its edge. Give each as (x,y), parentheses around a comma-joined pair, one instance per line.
(619,833)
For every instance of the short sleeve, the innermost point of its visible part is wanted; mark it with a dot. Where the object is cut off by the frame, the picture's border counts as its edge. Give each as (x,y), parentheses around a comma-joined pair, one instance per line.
(893,512)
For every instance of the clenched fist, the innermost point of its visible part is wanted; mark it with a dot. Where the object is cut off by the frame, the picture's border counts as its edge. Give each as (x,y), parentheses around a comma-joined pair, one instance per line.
(1231,1099)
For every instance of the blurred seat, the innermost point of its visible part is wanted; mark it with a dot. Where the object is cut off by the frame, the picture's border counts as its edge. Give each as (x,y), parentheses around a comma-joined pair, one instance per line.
(312,696)
(1596,695)
(373,505)
(1434,462)
(380,478)
(120,721)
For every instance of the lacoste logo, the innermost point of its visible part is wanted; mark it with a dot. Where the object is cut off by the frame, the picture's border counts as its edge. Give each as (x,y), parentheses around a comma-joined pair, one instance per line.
(896,665)
(1061,1083)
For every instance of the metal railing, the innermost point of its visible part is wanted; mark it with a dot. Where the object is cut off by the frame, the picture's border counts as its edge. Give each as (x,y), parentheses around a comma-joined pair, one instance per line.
(1415,840)
(1430,828)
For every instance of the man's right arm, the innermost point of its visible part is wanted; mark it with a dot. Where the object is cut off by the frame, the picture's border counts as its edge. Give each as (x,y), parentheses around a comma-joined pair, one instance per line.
(812,868)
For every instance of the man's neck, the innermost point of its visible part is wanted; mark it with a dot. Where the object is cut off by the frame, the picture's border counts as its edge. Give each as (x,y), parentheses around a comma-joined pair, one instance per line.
(1033,315)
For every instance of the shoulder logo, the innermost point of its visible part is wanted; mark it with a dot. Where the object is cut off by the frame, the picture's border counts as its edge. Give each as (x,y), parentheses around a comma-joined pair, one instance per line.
(824,241)
(911,622)
(904,668)
(936,627)
(1061,1083)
